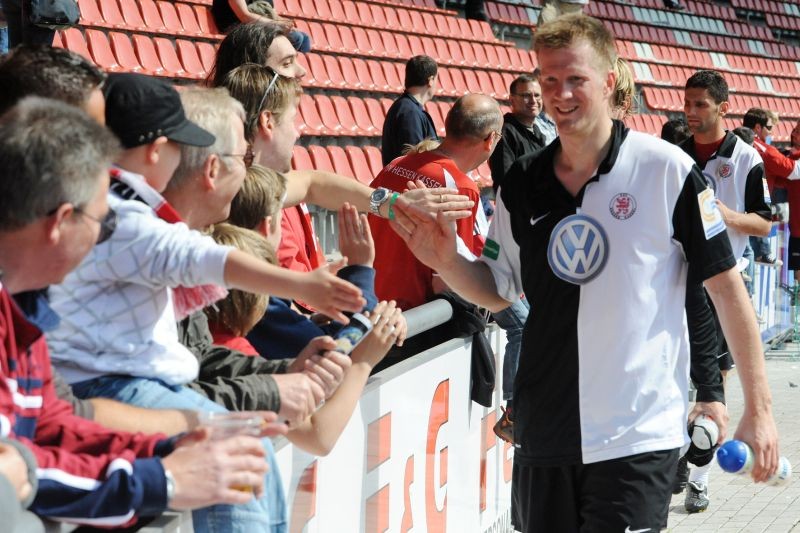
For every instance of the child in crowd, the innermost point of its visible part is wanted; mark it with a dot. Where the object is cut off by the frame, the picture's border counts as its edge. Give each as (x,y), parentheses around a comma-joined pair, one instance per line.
(232,318)
(283,331)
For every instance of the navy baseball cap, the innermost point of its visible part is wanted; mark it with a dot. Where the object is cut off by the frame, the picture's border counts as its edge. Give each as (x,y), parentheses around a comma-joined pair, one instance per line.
(139,109)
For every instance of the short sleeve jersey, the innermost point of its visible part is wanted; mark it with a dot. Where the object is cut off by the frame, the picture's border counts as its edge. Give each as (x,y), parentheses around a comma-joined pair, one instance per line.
(399,275)
(604,366)
(736,174)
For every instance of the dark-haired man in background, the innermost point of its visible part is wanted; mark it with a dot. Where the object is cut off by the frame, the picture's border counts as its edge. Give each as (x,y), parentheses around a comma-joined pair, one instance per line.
(407,122)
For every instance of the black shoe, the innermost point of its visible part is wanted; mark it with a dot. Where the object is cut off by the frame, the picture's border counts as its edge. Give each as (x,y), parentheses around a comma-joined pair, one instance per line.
(681,476)
(696,497)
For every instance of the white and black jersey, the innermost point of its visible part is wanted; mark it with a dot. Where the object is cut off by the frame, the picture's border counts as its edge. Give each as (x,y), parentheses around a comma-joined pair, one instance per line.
(736,173)
(603,371)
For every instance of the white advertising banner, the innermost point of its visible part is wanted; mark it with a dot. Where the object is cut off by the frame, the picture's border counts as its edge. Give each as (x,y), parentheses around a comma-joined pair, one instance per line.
(417,456)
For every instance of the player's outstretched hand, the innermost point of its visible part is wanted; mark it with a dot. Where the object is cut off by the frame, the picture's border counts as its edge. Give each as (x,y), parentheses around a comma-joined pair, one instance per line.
(431,240)
(452,204)
(331,295)
(388,327)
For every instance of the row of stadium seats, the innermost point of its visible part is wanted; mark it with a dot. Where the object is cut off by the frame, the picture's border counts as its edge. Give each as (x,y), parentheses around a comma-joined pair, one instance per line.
(750,83)
(730,61)
(385,17)
(767,6)
(356,74)
(356,41)
(662,99)
(361,163)
(149,16)
(156,56)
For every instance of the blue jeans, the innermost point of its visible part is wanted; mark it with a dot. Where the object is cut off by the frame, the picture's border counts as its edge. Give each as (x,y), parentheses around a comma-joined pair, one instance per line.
(512,319)
(751,269)
(267,514)
(3,41)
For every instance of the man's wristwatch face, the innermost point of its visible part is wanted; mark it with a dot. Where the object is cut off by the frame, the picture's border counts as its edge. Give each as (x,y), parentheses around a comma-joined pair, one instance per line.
(378,197)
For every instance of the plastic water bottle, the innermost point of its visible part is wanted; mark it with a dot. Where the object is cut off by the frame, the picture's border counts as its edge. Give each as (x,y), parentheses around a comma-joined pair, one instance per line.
(737,457)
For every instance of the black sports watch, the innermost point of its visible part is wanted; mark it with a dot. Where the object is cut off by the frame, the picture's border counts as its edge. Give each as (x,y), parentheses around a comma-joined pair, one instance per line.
(378,197)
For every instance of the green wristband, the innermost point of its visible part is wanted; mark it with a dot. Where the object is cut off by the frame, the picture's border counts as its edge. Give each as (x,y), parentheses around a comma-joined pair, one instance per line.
(392,200)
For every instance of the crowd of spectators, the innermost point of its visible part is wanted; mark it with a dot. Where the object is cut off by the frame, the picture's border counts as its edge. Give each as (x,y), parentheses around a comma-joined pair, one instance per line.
(162,263)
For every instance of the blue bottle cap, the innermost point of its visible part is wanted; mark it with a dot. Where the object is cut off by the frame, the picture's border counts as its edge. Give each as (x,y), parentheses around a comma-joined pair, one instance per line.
(732,456)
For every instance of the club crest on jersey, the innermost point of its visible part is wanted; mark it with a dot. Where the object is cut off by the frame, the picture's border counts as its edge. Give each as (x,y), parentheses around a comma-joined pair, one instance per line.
(724,170)
(622,206)
(578,249)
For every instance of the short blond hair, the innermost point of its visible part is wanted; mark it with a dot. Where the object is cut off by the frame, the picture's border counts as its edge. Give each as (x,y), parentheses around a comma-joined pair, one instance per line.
(261,196)
(568,29)
(240,311)
(773,116)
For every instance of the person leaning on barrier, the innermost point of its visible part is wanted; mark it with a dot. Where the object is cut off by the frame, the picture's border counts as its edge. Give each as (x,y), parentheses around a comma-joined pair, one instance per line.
(46,228)
(590,373)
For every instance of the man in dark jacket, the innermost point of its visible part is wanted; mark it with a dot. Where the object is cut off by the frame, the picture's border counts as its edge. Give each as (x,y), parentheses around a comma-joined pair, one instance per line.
(520,135)
(407,122)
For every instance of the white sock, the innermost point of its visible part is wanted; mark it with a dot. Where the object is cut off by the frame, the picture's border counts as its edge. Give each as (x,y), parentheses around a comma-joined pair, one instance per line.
(699,474)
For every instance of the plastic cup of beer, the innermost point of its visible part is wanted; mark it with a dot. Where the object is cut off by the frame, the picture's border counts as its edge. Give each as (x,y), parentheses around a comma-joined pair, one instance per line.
(226,425)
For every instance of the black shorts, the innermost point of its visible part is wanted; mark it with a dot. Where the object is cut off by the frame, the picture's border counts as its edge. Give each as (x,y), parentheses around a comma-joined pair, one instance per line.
(631,492)
(794,253)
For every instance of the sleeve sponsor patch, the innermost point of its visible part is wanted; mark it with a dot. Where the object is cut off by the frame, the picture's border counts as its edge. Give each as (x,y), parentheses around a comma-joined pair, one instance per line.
(491,249)
(709,214)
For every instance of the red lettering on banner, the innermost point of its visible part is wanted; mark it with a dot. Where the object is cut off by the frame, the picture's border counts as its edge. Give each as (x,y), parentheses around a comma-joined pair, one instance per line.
(304,506)
(407,521)
(440,408)
(379,441)
(508,462)
(378,511)
(488,441)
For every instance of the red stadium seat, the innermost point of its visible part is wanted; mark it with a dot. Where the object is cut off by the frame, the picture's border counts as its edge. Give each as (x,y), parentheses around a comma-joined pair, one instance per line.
(459,83)
(311,119)
(132,16)
(471,81)
(341,164)
(333,40)
(170,16)
(386,103)
(124,52)
(169,58)
(300,158)
(146,52)
(206,21)
(188,19)
(445,83)
(374,159)
(363,44)
(152,17)
(485,83)
(389,45)
(393,79)
(376,113)
(377,75)
(58,40)
(359,164)
(345,116)
(101,50)
(190,59)
(364,74)
(208,55)
(455,53)
(335,77)
(349,74)
(320,158)
(111,13)
(436,115)
(362,116)
(316,73)
(75,41)
(328,114)
(90,14)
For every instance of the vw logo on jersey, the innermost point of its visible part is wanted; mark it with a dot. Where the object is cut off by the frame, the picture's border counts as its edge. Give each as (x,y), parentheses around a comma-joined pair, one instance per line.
(578,249)
(712,183)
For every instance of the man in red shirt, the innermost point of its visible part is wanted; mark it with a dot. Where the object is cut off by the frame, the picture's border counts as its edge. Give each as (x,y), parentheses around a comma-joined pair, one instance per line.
(473,128)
